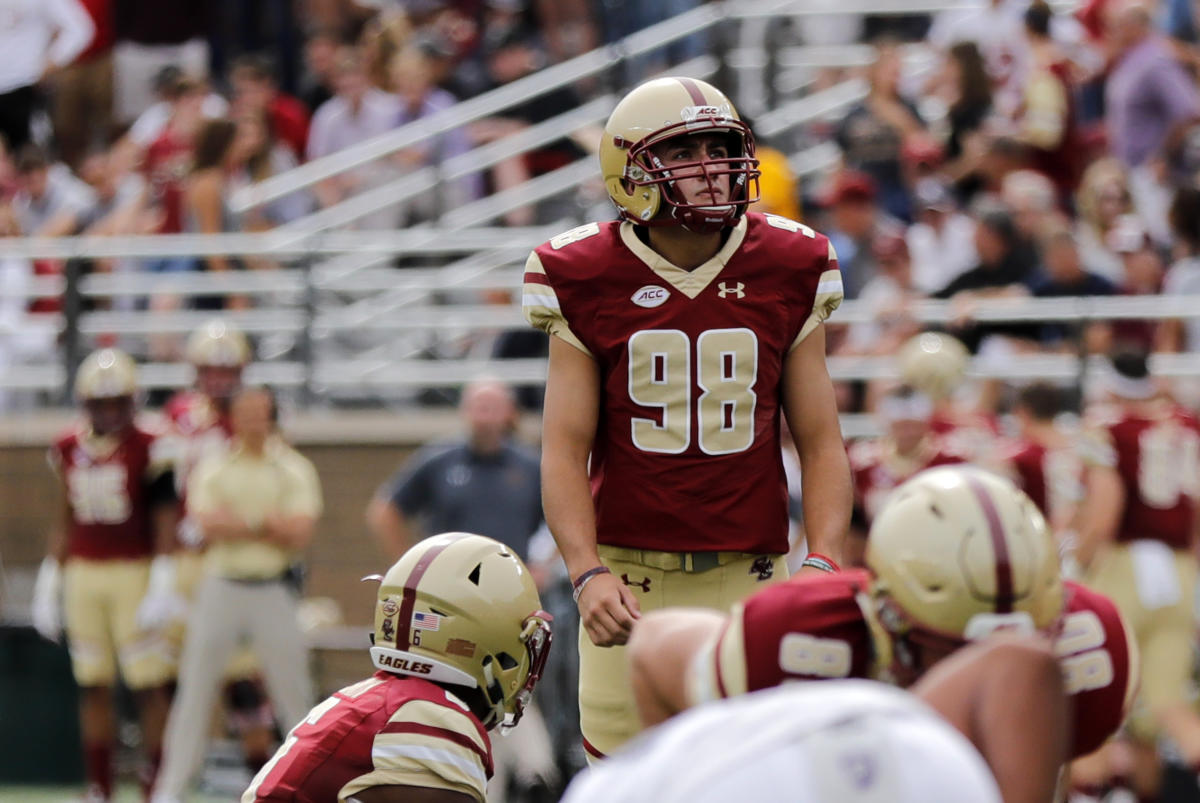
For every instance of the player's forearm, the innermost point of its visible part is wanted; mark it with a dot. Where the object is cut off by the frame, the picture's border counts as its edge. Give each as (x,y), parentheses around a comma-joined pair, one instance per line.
(570,514)
(290,532)
(1100,517)
(223,527)
(828,497)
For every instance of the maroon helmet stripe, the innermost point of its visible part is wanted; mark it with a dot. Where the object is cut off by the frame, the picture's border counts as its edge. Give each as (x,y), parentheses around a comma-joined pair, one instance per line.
(591,749)
(404,626)
(1004,583)
(694,90)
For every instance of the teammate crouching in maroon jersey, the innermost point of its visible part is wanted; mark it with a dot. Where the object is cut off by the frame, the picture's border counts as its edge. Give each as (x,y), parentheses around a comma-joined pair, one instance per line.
(955,555)
(460,640)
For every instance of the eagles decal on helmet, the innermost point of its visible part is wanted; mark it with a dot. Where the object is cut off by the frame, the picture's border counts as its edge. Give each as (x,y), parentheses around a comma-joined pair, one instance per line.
(462,609)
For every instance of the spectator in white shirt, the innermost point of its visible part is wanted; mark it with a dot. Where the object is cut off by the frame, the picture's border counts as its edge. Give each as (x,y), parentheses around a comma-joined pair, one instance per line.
(1183,278)
(356,113)
(51,202)
(942,240)
(37,38)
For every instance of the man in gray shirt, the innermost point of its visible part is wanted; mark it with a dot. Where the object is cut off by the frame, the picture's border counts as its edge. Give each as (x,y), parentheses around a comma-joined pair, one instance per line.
(485,484)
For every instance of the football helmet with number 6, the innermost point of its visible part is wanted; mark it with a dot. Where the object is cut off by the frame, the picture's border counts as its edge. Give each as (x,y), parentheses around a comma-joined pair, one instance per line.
(462,609)
(958,553)
(640,184)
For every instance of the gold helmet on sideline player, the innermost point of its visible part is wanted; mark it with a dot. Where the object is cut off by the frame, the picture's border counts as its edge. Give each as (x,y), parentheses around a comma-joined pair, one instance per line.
(959,553)
(463,609)
(106,383)
(219,352)
(663,109)
(933,363)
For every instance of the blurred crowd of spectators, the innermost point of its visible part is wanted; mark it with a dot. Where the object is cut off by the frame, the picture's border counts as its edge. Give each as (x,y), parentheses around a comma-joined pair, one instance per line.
(1044,154)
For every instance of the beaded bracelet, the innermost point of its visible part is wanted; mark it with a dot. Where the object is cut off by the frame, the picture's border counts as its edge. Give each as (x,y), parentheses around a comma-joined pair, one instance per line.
(583,579)
(819,561)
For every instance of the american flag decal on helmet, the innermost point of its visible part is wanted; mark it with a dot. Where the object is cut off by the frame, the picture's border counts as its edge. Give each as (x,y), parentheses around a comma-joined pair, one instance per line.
(426,621)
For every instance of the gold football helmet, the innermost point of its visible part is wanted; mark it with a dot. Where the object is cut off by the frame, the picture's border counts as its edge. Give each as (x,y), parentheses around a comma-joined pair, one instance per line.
(106,374)
(462,609)
(218,343)
(933,363)
(639,184)
(959,553)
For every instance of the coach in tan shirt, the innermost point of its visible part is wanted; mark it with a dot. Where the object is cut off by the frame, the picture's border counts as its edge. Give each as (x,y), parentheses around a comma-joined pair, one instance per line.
(257,508)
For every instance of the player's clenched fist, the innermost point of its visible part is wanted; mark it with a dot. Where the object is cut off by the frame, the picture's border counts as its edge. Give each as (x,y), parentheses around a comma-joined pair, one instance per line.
(608,610)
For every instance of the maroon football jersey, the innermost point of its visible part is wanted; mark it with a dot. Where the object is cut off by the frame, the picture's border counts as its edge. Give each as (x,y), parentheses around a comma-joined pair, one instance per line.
(1156,450)
(878,469)
(817,628)
(388,730)
(686,455)
(1052,478)
(107,482)
(1093,649)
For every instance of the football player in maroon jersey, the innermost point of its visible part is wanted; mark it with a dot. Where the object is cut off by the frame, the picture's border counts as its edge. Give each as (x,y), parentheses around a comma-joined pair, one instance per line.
(117,576)
(1136,542)
(679,335)
(460,641)
(955,555)
(881,464)
(1044,462)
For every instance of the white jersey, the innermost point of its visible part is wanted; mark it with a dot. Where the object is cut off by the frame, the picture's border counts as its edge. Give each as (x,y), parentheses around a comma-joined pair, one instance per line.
(828,742)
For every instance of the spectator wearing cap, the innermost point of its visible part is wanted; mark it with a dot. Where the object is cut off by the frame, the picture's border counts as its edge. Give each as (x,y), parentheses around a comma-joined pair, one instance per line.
(888,296)
(1183,278)
(854,221)
(38,38)
(255,90)
(1064,274)
(356,113)
(873,132)
(1001,272)
(942,240)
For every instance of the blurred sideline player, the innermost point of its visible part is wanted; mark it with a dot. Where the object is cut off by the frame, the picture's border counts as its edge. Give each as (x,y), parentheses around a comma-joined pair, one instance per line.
(1135,544)
(854,740)
(679,336)
(881,464)
(460,640)
(1044,461)
(200,427)
(936,364)
(955,555)
(116,576)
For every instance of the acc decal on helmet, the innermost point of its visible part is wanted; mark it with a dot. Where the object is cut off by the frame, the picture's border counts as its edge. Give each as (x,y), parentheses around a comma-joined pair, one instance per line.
(933,363)
(106,374)
(959,553)
(218,343)
(642,187)
(462,609)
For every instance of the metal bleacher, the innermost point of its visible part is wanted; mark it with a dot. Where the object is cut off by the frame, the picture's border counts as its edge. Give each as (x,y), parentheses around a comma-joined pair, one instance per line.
(339,321)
